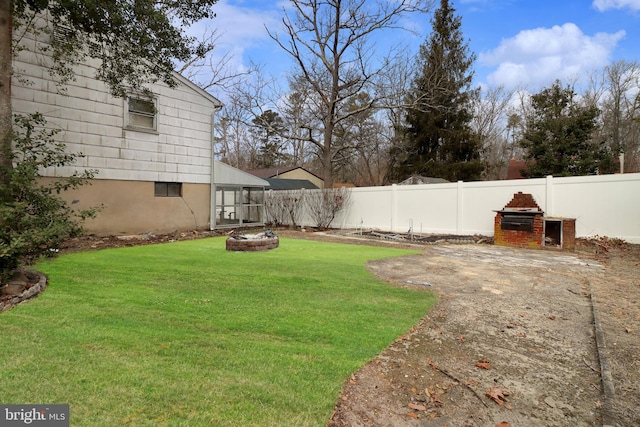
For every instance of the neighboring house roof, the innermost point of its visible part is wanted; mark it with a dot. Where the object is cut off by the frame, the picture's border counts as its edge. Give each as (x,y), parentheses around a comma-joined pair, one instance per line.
(290,184)
(275,172)
(514,168)
(417,179)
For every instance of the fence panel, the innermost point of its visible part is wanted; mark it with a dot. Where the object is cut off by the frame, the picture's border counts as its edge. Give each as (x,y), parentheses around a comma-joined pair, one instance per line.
(603,205)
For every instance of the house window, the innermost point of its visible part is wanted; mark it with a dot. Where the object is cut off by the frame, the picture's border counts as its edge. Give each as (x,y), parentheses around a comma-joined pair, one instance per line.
(168,189)
(142,113)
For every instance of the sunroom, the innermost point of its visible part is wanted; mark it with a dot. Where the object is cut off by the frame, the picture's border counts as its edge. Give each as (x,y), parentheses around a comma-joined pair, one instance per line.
(238,198)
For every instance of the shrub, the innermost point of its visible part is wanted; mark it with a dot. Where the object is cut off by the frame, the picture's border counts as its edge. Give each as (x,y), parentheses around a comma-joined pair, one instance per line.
(34,220)
(324,204)
(284,207)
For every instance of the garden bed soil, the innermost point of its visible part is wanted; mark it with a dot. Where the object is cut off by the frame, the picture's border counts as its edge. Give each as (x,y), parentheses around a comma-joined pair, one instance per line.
(511,339)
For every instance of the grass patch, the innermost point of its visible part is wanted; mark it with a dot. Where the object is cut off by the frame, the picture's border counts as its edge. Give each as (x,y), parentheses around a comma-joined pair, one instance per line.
(189,334)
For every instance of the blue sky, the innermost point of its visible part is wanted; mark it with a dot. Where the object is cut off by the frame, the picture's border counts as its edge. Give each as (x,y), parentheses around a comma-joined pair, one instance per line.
(518,43)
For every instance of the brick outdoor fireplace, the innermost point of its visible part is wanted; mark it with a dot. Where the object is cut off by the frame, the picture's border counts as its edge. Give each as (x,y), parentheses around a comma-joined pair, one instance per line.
(522,223)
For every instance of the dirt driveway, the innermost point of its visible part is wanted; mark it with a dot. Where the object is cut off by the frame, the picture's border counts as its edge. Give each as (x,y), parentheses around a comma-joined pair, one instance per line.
(512,340)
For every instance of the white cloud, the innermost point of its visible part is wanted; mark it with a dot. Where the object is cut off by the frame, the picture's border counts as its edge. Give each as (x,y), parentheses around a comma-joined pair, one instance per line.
(603,5)
(542,55)
(239,29)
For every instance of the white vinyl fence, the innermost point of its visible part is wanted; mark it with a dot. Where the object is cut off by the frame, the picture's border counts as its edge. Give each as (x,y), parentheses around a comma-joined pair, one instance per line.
(603,205)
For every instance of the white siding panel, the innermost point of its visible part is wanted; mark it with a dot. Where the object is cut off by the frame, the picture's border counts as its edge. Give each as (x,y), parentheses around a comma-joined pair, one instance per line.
(92,122)
(27,70)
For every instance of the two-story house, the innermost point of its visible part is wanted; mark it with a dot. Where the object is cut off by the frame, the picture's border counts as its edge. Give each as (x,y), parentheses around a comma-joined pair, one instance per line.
(154,154)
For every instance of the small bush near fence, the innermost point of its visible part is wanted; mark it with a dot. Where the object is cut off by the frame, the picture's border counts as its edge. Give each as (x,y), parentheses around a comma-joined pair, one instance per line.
(322,206)
(284,207)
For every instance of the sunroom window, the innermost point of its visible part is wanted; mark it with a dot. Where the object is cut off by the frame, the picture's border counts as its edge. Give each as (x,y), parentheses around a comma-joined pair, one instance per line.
(239,205)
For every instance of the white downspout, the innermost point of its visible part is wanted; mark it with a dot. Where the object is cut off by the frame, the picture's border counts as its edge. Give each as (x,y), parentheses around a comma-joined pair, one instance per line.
(212,203)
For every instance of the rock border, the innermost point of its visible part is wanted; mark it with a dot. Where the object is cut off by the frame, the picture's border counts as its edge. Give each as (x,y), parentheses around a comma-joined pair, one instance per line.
(30,292)
(252,245)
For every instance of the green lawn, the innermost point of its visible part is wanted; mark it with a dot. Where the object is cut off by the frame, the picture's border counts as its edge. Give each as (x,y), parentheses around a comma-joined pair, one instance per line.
(187,333)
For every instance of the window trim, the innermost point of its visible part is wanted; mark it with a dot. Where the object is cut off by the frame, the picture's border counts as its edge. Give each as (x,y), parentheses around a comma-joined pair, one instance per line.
(128,112)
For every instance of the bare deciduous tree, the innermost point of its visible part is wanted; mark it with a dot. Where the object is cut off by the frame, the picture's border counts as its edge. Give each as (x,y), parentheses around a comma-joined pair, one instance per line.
(490,116)
(210,71)
(330,42)
(297,110)
(621,107)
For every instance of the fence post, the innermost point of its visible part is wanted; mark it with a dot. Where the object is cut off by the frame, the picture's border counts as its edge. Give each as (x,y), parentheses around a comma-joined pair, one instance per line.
(459,208)
(394,207)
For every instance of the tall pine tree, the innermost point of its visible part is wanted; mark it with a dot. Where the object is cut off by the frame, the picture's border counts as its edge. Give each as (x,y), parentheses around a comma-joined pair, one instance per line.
(559,140)
(439,141)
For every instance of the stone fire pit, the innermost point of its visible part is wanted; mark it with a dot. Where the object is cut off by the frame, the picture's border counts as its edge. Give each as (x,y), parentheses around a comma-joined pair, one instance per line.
(253,242)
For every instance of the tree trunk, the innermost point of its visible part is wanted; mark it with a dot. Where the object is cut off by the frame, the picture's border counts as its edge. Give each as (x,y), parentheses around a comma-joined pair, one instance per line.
(327,156)
(6,118)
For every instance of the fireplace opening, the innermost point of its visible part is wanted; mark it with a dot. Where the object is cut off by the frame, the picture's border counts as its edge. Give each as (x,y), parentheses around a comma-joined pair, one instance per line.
(553,233)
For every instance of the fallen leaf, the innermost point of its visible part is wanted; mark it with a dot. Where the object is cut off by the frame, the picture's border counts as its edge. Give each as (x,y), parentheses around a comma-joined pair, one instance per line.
(552,317)
(417,407)
(483,363)
(522,335)
(461,339)
(434,397)
(498,395)
(628,330)
(412,415)
(503,424)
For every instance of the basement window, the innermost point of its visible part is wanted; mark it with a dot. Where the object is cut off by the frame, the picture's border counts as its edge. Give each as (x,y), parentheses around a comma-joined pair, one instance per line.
(168,189)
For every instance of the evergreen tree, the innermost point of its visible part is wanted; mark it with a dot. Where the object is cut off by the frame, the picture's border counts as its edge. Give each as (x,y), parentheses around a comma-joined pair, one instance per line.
(439,141)
(558,138)
(268,129)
